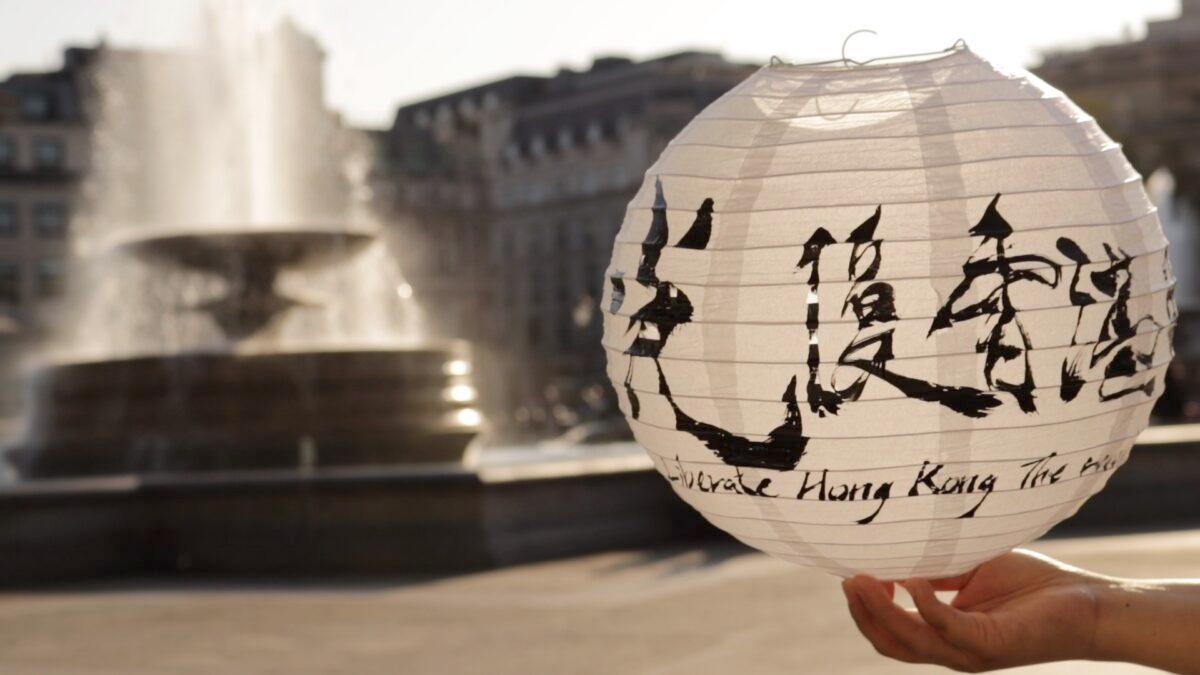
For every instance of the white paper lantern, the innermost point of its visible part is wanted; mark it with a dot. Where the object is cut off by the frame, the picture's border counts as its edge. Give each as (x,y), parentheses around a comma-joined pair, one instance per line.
(891,319)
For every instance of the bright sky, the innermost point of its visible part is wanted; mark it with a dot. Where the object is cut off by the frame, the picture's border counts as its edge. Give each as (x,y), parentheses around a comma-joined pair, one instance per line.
(383,53)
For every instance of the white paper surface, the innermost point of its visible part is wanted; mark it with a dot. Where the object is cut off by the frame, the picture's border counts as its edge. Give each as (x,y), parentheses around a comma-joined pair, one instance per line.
(894,319)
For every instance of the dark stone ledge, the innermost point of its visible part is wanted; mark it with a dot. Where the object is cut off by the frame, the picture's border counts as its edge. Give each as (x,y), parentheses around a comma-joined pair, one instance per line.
(433,519)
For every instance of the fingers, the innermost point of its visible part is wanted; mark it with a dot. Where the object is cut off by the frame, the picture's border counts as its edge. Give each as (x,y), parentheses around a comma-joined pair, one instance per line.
(902,635)
(960,629)
(881,640)
(935,612)
(953,583)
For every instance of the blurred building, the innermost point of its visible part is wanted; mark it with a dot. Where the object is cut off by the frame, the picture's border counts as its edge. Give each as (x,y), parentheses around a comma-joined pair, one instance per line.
(44,149)
(509,195)
(46,125)
(1146,95)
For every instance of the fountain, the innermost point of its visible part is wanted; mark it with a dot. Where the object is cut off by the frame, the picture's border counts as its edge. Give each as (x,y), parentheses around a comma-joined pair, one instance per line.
(250,408)
(242,384)
(186,352)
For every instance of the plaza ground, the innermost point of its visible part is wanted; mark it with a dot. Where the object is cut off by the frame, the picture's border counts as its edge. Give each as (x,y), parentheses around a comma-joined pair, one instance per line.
(712,607)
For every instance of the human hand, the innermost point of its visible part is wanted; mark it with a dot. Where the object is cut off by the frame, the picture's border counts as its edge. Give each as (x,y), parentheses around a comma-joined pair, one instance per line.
(1017,609)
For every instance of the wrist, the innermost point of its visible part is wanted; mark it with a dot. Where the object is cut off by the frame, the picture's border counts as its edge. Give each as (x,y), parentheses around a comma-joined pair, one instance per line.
(1114,608)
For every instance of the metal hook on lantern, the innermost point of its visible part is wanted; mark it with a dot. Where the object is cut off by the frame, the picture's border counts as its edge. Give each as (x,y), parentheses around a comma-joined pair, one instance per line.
(959,44)
(846,61)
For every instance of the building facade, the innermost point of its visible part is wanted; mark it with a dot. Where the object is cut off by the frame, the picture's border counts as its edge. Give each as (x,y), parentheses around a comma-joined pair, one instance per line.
(44,153)
(44,150)
(1145,93)
(508,196)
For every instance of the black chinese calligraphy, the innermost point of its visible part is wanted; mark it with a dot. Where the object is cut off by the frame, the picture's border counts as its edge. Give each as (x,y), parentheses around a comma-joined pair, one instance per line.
(1113,351)
(873,304)
(670,307)
(701,231)
(1006,345)
(782,449)
(617,297)
(991,277)
(819,400)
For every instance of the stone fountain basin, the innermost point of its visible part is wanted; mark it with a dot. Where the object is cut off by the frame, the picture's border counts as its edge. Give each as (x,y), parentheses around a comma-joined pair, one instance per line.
(249,260)
(217,250)
(209,411)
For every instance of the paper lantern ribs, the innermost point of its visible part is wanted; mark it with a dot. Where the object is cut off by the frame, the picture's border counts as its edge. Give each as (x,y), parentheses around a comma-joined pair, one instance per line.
(891,319)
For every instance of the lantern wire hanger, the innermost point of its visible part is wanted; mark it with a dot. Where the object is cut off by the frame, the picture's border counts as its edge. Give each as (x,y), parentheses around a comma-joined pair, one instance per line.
(846,61)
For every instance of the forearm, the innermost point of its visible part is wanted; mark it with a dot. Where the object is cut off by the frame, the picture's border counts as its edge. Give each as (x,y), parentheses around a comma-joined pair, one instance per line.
(1151,622)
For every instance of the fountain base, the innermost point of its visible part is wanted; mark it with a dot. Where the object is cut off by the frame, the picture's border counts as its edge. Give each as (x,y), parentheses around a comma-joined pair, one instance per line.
(220,412)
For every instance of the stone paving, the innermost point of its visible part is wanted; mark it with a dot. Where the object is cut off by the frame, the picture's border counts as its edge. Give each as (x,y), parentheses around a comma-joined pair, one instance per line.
(708,608)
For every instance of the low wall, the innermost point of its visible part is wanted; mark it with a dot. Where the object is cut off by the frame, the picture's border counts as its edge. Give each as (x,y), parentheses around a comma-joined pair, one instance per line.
(431,519)
(333,522)
(56,530)
(1156,489)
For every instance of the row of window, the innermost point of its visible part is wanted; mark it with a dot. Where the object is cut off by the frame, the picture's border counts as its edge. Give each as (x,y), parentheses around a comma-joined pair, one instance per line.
(565,138)
(531,244)
(47,153)
(47,280)
(572,182)
(35,106)
(49,220)
(467,106)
